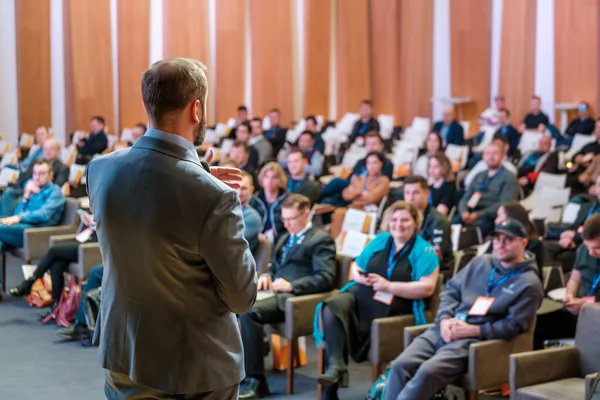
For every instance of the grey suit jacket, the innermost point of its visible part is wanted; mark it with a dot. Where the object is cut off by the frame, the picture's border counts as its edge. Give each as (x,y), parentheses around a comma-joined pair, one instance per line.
(176,269)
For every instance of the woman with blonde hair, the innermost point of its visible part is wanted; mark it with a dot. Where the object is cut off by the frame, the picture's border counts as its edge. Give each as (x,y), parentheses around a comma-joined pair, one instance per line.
(267,201)
(392,276)
(442,188)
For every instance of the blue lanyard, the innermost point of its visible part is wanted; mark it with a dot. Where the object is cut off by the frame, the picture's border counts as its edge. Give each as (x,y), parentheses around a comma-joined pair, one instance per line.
(430,195)
(363,128)
(488,179)
(593,210)
(393,259)
(594,287)
(493,285)
(293,185)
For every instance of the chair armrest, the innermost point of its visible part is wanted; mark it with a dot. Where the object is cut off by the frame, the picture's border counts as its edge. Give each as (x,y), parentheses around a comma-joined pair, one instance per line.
(387,337)
(89,256)
(300,313)
(56,239)
(535,367)
(35,240)
(410,333)
(589,384)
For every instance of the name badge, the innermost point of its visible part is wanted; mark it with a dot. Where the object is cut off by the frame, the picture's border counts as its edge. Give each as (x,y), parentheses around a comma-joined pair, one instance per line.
(474,200)
(84,235)
(589,299)
(482,306)
(270,235)
(384,297)
(462,317)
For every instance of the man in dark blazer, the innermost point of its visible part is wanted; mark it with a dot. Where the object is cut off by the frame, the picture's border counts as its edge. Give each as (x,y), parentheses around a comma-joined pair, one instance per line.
(298,180)
(276,134)
(508,131)
(365,124)
(176,265)
(536,162)
(303,262)
(449,129)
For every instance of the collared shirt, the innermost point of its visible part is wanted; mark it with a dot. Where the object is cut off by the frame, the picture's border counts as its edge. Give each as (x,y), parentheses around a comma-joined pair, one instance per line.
(303,231)
(174,139)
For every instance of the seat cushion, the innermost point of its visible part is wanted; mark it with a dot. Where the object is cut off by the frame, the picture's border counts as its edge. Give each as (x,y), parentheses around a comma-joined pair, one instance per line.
(564,389)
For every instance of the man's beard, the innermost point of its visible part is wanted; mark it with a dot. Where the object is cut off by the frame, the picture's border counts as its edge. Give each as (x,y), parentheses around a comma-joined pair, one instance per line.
(200,132)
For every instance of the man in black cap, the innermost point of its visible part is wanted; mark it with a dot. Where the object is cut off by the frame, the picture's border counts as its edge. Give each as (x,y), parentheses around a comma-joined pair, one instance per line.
(493,297)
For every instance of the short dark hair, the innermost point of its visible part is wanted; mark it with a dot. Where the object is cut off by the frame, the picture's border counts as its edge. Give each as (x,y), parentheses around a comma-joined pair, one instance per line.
(295,200)
(372,134)
(506,111)
(416,180)
(377,154)
(44,162)
(244,145)
(256,119)
(247,175)
(141,125)
(295,150)
(536,97)
(312,135)
(242,108)
(591,228)
(312,118)
(274,110)
(99,119)
(501,138)
(499,97)
(367,102)
(247,125)
(169,85)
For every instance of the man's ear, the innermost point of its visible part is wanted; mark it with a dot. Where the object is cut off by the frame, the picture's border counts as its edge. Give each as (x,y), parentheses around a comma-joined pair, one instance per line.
(196,111)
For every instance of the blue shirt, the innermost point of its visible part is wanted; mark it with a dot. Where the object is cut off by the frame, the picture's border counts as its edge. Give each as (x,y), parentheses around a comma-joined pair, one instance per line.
(253,224)
(176,140)
(26,163)
(44,208)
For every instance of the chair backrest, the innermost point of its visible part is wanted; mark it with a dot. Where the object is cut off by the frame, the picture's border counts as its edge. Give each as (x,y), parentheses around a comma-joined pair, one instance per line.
(529,141)
(70,216)
(469,236)
(262,254)
(587,338)
(579,141)
(343,270)
(434,301)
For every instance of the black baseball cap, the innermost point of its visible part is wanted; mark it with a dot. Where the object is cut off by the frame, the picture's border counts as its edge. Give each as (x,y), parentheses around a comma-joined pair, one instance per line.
(511,227)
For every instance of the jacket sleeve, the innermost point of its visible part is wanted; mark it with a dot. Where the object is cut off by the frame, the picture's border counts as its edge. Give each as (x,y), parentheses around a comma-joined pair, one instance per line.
(509,192)
(315,168)
(355,130)
(519,318)
(462,204)
(252,229)
(441,239)
(54,204)
(451,297)
(61,175)
(324,269)
(92,147)
(227,254)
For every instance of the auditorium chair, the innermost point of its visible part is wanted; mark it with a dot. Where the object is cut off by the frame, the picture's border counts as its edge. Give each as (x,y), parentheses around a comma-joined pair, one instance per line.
(488,360)
(562,373)
(88,256)
(299,317)
(262,255)
(36,240)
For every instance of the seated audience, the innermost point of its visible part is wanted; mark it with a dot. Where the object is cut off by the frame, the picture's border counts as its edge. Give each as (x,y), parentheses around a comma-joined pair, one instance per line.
(259,142)
(514,210)
(268,200)
(435,227)
(298,179)
(490,116)
(306,143)
(493,297)
(535,120)
(584,124)
(243,135)
(242,117)
(13,193)
(511,134)
(433,145)
(582,288)
(332,192)
(449,129)
(312,126)
(241,153)
(303,262)
(96,143)
(536,162)
(366,123)
(78,329)
(41,134)
(564,250)
(137,132)
(252,219)
(276,134)
(488,191)
(363,191)
(583,162)
(392,276)
(42,205)
(481,165)
(442,188)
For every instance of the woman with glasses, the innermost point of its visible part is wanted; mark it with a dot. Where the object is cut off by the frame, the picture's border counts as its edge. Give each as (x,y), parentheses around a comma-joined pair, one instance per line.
(392,276)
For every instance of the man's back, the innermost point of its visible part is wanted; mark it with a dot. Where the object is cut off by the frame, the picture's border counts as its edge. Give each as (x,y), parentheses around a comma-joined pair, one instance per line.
(176,268)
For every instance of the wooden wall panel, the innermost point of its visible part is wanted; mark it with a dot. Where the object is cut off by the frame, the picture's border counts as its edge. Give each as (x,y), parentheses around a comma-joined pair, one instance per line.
(91,77)
(576,52)
(186,29)
(317,41)
(385,57)
(517,56)
(134,59)
(353,65)
(229,75)
(470,53)
(33,57)
(272,74)
(415,69)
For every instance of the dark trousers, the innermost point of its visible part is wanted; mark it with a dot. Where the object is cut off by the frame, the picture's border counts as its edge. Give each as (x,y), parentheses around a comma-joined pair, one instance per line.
(565,256)
(12,236)
(553,326)
(427,366)
(268,311)
(10,199)
(486,225)
(57,260)
(120,387)
(94,281)
(332,192)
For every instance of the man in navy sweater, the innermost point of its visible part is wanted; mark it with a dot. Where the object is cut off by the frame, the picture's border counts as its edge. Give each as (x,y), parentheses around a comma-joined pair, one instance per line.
(449,129)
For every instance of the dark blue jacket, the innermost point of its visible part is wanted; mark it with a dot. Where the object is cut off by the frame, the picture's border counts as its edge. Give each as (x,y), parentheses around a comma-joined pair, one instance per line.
(513,137)
(456,134)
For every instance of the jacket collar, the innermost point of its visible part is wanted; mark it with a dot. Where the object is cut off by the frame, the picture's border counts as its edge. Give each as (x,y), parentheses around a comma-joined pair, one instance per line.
(168,143)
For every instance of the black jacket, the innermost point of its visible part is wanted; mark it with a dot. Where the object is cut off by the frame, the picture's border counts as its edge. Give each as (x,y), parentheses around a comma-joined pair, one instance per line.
(436,230)
(61,174)
(276,136)
(308,188)
(361,129)
(259,203)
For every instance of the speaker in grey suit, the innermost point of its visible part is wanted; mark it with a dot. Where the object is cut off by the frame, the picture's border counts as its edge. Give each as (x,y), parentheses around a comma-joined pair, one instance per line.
(176,265)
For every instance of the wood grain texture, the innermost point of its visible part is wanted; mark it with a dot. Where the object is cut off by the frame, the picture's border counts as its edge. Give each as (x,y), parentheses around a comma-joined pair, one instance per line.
(470,53)
(415,69)
(353,65)
(385,55)
(33,58)
(134,59)
(91,76)
(186,29)
(230,58)
(517,56)
(576,52)
(317,41)
(271,43)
